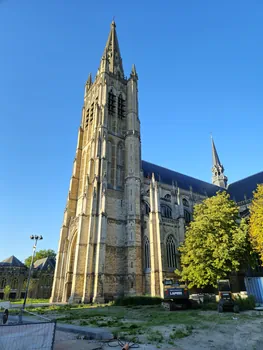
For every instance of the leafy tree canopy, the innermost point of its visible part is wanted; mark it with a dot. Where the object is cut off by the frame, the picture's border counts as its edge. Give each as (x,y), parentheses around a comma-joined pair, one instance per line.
(40,255)
(216,242)
(256,221)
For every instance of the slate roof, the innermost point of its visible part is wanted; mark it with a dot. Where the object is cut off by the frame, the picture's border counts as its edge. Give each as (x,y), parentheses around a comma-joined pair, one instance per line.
(42,264)
(12,261)
(237,190)
(169,177)
(245,187)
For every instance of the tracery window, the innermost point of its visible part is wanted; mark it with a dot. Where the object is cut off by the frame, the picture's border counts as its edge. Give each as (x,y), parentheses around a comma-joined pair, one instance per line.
(111,103)
(166,211)
(146,253)
(187,216)
(14,283)
(167,197)
(185,202)
(171,252)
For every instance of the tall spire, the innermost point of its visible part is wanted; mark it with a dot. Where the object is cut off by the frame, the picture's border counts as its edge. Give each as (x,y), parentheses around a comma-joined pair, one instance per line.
(215,158)
(218,177)
(112,54)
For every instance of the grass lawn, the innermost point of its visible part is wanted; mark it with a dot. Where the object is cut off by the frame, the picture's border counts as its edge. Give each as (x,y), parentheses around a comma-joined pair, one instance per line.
(143,324)
(30,301)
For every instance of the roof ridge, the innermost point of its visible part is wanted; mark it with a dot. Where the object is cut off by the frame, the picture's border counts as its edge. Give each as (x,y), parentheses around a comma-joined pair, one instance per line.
(244,178)
(182,174)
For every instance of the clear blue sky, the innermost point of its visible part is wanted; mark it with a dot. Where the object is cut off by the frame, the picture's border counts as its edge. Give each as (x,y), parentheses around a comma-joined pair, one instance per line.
(200,71)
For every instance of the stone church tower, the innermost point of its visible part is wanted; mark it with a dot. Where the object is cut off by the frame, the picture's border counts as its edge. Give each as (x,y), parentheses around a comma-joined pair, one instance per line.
(100,244)
(125,217)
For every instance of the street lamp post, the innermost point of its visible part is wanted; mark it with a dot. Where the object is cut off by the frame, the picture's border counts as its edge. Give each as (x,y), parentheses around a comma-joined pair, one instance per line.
(35,238)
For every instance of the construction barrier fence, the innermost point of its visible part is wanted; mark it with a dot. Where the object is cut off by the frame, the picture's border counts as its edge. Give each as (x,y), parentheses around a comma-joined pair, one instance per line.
(28,336)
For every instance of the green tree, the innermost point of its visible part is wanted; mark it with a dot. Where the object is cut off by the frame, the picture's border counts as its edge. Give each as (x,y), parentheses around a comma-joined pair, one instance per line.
(256,221)
(40,255)
(216,242)
(7,291)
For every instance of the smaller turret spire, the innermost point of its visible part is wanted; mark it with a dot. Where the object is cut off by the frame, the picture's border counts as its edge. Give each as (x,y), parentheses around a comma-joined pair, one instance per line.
(88,84)
(215,158)
(134,72)
(218,177)
(89,81)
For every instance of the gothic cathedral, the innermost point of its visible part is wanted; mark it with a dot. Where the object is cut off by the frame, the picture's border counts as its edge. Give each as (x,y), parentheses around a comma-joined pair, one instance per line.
(124,217)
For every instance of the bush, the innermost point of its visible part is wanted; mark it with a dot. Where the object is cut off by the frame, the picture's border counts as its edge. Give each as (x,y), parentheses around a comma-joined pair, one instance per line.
(245,303)
(137,300)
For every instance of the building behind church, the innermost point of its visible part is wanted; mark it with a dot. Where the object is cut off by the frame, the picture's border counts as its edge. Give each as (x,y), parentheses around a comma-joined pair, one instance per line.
(14,273)
(125,218)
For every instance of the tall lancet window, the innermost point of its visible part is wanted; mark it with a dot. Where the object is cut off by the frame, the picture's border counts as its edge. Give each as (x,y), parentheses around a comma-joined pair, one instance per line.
(121,116)
(121,107)
(14,283)
(120,164)
(171,252)
(111,103)
(110,165)
(187,217)
(87,119)
(146,252)
(166,211)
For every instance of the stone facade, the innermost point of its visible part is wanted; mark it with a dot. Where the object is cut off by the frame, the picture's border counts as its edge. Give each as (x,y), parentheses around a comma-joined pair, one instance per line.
(124,218)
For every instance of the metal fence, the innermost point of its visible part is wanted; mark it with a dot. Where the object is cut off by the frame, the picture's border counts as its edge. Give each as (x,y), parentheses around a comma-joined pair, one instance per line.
(254,286)
(26,333)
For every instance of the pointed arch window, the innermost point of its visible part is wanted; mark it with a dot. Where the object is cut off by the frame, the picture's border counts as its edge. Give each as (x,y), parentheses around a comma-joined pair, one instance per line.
(121,107)
(109,167)
(87,118)
(111,102)
(166,211)
(187,217)
(3,283)
(120,164)
(185,202)
(171,252)
(146,253)
(167,197)
(14,284)
(91,112)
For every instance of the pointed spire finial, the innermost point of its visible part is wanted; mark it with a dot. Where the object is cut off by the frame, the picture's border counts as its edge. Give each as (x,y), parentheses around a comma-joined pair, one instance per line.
(218,177)
(111,59)
(134,72)
(88,84)
(89,81)
(215,157)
